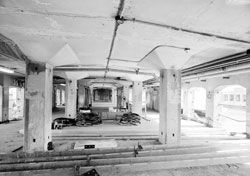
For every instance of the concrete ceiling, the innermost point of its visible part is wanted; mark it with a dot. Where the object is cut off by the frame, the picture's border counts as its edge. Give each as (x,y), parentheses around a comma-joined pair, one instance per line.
(154,35)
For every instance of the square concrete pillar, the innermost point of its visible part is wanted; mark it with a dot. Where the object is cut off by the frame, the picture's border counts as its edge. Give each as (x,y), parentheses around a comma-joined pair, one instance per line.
(81,95)
(125,95)
(5,81)
(210,108)
(54,96)
(5,105)
(170,106)
(1,103)
(248,112)
(185,104)
(137,98)
(38,107)
(70,95)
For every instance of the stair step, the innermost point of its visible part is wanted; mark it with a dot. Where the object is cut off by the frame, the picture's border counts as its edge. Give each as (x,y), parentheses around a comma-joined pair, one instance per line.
(135,164)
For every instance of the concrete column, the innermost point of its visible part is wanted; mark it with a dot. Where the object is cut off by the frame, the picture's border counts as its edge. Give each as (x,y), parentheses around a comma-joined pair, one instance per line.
(170,106)
(61,95)
(1,103)
(185,104)
(190,104)
(70,93)
(248,111)
(5,105)
(217,120)
(210,107)
(137,98)
(81,96)
(6,81)
(126,95)
(54,97)
(38,111)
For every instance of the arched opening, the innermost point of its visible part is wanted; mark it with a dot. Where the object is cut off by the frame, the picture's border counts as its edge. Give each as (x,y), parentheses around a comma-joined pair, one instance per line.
(230,108)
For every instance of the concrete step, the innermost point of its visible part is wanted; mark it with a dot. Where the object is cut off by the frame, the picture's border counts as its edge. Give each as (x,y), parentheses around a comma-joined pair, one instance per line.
(135,164)
(185,151)
(131,169)
(120,160)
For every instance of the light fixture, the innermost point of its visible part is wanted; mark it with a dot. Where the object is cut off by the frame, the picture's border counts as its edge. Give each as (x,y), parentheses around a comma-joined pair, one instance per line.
(6,70)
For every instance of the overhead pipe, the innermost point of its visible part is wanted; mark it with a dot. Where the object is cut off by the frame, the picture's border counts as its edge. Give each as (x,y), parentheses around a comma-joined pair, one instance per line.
(232,70)
(224,60)
(219,66)
(185,30)
(218,72)
(158,46)
(118,21)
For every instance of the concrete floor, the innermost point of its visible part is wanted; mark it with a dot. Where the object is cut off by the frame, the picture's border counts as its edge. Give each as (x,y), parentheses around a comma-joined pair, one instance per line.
(191,132)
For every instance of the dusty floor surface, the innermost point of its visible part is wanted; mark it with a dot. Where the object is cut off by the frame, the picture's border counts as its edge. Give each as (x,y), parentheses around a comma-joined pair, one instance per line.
(11,139)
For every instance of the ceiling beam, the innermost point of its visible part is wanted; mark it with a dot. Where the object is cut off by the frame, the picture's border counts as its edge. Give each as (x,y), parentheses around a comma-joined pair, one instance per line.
(78,69)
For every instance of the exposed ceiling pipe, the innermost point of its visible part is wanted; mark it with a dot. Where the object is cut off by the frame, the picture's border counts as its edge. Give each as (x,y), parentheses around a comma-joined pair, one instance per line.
(186,30)
(118,21)
(75,69)
(232,70)
(217,61)
(219,66)
(158,46)
(221,63)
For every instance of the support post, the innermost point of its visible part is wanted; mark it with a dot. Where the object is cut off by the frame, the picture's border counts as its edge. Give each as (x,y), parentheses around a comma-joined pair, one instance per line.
(81,96)
(6,81)
(248,111)
(210,107)
(185,104)
(5,109)
(126,95)
(70,109)
(170,106)
(1,103)
(54,97)
(137,98)
(38,109)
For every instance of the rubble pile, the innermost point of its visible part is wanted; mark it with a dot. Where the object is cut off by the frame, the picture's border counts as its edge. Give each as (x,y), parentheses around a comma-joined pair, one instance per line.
(130,119)
(88,119)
